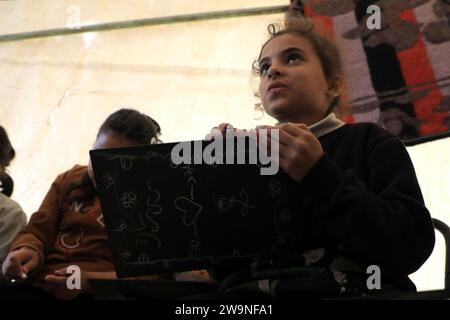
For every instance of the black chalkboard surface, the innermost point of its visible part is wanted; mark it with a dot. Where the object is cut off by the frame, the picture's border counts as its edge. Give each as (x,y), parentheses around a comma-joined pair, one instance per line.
(163,217)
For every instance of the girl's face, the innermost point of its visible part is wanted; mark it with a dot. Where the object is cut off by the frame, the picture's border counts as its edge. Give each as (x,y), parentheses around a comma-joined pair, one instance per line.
(108,140)
(293,87)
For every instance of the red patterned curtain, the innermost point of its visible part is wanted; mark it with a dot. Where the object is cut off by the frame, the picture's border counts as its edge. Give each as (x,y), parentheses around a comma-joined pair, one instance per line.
(397,76)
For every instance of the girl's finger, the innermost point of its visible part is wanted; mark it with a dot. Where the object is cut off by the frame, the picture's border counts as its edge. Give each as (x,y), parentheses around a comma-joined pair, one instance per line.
(61,272)
(58,280)
(224,126)
(285,137)
(257,130)
(284,151)
(215,132)
(240,132)
(293,129)
(263,127)
(302,126)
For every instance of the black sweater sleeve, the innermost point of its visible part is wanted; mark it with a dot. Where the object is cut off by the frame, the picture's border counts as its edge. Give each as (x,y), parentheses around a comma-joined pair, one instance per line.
(381,221)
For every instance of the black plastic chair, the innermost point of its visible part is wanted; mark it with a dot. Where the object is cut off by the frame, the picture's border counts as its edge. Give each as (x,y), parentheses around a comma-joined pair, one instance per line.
(445,231)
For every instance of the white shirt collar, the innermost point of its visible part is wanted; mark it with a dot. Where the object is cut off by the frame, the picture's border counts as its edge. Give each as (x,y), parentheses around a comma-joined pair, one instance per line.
(326,125)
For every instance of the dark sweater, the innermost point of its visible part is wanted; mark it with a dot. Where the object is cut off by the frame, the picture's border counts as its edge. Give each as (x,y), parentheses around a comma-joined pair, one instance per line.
(362,201)
(364,194)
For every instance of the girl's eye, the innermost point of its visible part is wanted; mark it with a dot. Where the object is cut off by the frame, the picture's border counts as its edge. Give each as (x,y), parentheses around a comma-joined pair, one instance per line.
(263,69)
(293,58)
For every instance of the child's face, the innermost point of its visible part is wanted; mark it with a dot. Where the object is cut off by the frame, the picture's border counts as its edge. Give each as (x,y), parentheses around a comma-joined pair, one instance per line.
(293,87)
(108,140)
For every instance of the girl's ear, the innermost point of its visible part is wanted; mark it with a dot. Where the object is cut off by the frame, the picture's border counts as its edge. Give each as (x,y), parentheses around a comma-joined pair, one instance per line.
(336,87)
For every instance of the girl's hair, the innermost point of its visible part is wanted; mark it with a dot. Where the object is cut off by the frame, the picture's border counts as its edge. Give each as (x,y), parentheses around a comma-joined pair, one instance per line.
(325,48)
(130,124)
(6,183)
(7,152)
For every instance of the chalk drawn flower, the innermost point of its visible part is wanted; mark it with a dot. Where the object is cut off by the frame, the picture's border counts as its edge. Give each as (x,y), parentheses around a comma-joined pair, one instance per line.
(120,226)
(108,180)
(224,204)
(275,188)
(286,216)
(126,255)
(129,200)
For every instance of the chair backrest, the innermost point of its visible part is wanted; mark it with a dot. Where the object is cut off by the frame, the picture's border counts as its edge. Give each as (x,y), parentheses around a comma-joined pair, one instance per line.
(445,231)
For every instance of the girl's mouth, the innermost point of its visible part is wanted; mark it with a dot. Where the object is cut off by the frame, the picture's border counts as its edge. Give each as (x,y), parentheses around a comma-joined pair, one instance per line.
(276,90)
(276,86)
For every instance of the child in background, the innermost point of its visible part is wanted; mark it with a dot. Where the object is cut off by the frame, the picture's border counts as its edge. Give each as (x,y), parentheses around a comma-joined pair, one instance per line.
(7,154)
(12,217)
(68,228)
(359,198)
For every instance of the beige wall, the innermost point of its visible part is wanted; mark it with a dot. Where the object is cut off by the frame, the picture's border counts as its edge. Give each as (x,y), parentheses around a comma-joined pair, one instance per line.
(56,91)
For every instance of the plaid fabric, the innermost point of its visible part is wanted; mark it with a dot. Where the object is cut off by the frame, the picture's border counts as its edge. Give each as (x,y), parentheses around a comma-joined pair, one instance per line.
(399,76)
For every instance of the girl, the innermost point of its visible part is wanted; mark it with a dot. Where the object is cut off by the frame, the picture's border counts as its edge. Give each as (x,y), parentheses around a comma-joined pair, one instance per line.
(12,217)
(68,228)
(360,201)
(7,154)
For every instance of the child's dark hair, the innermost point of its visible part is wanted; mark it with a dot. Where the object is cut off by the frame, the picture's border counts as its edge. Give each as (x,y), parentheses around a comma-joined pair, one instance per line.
(325,48)
(130,124)
(6,183)
(7,152)
(133,126)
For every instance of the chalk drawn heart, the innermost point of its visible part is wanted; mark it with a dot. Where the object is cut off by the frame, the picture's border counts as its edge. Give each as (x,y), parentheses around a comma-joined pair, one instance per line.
(189,208)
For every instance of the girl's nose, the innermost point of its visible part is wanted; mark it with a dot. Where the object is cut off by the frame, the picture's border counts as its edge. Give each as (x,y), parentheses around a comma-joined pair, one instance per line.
(274,72)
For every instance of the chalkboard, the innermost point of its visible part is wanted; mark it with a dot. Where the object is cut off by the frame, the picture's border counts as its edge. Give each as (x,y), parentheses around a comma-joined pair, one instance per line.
(166,217)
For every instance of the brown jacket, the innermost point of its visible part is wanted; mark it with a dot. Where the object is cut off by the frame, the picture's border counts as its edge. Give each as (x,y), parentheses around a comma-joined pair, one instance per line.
(67,232)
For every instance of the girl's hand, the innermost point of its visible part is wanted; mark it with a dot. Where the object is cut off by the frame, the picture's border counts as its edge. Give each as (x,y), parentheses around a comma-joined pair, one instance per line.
(196,275)
(19,263)
(299,149)
(56,283)
(221,130)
